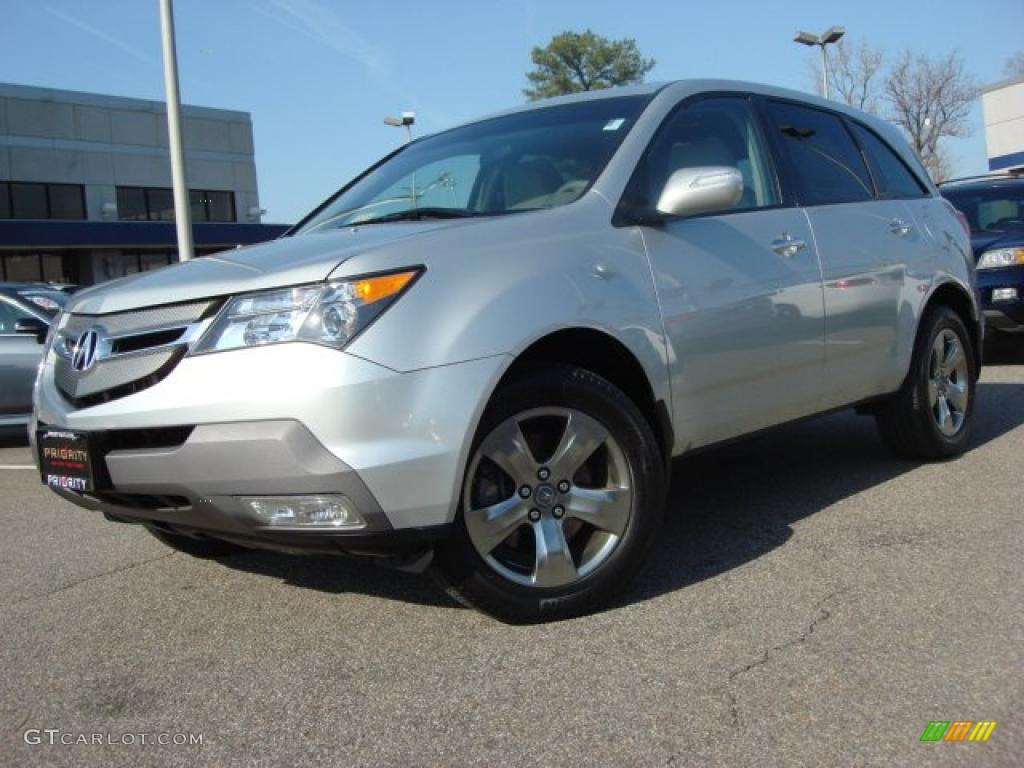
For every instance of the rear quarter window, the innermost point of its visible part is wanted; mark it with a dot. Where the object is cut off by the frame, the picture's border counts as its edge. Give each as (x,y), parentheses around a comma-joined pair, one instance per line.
(892,177)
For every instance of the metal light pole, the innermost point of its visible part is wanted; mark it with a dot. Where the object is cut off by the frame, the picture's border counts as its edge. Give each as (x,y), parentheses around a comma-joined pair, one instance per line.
(407,119)
(830,35)
(182,209)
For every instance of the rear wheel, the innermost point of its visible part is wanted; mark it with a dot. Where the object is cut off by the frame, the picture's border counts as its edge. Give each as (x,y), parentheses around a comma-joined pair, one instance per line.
(202,548)
(562,496)
(930,417)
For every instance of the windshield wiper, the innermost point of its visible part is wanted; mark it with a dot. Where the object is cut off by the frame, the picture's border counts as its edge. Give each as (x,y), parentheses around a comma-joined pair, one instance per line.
(418,214)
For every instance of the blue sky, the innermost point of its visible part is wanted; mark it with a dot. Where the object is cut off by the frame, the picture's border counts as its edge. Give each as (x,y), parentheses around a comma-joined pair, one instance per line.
(318,76)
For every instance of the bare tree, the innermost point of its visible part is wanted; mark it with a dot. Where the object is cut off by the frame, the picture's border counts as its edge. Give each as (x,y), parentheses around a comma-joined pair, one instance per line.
(1014,66)
(854,74)
(931,99)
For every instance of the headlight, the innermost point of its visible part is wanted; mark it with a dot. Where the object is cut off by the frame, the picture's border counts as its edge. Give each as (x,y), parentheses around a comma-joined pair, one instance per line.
(1001,257)
(325,313)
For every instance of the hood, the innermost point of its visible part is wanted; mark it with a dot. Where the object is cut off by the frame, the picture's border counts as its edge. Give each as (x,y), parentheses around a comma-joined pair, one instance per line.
(986,241)
(282,262)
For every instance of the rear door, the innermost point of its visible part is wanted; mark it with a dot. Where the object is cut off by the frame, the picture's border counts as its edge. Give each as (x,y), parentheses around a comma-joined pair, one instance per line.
(740,290)
(865,245)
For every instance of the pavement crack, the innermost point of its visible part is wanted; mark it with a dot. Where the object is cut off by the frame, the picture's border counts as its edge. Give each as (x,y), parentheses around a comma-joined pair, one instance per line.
(84,580)
(823,614)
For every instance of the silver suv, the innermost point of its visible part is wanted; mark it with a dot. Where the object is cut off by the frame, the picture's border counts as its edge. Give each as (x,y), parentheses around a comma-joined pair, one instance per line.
(481,354)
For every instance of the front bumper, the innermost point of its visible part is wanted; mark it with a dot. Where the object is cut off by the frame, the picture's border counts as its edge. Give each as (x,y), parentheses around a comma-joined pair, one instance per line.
(285,420)
(1002,315)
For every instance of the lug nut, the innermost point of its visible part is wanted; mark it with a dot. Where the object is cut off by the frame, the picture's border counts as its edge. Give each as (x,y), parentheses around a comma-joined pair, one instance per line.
(558,511)
(544,473)
(563,487)
(534,514)
(525,492)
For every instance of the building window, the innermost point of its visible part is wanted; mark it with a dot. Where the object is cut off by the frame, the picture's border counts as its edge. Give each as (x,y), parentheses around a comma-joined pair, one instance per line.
(22,268)
(154,260)
(131,204)
(157,204)
(34,267)
(26,200)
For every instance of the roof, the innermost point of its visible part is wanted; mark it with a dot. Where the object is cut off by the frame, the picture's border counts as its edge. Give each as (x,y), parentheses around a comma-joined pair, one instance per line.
(680,87)
(107,101)
(997,86)
(47,233)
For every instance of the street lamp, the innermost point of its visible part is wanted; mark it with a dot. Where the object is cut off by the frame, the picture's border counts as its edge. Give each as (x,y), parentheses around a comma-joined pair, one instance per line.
(407,119)
(830,35)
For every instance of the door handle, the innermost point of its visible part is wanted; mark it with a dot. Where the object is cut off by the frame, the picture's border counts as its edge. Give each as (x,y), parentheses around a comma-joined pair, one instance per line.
(787,245)
(900,228)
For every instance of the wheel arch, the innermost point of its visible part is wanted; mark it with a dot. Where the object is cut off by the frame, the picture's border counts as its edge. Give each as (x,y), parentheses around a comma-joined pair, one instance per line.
(956,297)
(603,354)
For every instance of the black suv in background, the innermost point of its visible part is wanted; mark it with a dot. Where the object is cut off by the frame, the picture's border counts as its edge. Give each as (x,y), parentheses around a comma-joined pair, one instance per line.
(994,207)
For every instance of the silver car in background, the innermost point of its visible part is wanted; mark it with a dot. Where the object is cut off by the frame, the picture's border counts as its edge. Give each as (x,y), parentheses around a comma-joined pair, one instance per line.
(26,311)
(481,354)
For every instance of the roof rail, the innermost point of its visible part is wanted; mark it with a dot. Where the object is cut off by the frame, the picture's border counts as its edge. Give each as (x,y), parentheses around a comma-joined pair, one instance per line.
(1013,173)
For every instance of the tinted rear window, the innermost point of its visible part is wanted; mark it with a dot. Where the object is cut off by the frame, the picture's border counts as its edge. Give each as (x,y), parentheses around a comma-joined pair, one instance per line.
(825,163)
(892,177)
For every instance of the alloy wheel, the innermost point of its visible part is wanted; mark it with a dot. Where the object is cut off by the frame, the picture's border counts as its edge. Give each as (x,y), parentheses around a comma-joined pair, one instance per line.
(548,497)
(948,390)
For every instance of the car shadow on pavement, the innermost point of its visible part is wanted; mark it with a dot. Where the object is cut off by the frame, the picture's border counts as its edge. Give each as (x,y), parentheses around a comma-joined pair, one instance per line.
(727,506)
(731,505)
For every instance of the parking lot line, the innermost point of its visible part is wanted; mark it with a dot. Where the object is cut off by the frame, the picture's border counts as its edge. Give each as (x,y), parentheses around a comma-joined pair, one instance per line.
(16,466)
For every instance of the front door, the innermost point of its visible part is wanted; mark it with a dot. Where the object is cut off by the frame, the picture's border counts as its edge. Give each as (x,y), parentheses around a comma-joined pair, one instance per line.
(740,290)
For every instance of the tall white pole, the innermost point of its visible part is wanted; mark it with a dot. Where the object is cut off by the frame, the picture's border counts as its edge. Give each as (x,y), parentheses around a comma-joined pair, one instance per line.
(824,71)
(182,209)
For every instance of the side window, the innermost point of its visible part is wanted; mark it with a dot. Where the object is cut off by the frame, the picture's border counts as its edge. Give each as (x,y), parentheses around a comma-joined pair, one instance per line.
(826,164)
(712,131)
(892,177)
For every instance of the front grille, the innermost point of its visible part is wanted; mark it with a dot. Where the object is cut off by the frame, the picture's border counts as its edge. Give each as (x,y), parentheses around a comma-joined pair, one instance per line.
(140,348)
(111,373)
(139,320)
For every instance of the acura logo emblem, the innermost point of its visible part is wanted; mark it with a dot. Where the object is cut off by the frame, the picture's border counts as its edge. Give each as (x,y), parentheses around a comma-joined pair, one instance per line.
(87,350)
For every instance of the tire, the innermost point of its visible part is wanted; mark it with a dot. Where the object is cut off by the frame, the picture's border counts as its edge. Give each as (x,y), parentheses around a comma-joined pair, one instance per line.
(585,527)
(201,548)
(913,423)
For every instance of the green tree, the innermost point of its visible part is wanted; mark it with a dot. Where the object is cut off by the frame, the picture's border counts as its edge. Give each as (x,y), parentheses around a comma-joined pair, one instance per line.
(584,61)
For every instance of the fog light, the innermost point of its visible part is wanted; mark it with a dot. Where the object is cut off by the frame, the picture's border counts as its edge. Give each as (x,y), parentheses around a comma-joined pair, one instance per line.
(328,511)
(1004,294)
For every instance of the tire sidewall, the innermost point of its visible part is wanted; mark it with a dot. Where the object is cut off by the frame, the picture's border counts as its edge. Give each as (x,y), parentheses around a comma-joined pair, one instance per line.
(938,321)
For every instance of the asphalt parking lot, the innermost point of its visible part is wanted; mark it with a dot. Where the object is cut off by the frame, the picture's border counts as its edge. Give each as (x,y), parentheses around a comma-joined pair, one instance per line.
(812,602)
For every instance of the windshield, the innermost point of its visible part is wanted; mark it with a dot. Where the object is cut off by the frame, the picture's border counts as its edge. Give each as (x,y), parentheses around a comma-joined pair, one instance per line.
(50,302)
(540,158)
(990,209)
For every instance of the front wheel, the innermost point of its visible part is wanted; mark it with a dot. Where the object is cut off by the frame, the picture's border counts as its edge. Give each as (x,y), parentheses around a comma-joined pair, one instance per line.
(930,417)
(563,494)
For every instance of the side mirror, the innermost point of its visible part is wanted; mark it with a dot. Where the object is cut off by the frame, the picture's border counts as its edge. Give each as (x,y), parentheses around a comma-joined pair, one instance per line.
(702,189)
(33,326)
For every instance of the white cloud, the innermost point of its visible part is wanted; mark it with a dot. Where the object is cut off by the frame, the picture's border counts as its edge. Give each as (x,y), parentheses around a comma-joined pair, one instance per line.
(105,37)
(324,25)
